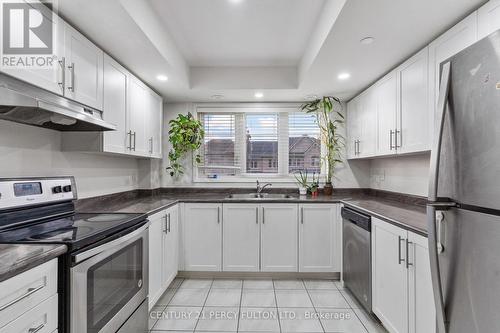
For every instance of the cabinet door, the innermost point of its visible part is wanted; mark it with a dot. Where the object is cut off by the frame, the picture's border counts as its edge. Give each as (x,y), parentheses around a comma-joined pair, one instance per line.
(451,42)
(387,108)
(50,78)
(115,106)
(488,18)
(367,119)
(389,276)
(154,125)
(279,242)
(170,246)
(353,127)
(138,116)
(202,230)
(156,229)
(241,238)
(317,238)
(422,311)
(84,69)
(414,123)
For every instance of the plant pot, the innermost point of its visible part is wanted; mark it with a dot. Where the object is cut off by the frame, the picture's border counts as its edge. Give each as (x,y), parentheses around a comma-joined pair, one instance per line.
(303,190)
(328,189)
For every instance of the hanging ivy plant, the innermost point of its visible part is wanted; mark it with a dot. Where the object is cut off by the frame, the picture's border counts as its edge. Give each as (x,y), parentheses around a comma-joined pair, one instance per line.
(186,135)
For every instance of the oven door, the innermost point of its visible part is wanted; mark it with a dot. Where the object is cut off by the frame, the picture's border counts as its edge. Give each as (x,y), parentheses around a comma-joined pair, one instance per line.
(109,282)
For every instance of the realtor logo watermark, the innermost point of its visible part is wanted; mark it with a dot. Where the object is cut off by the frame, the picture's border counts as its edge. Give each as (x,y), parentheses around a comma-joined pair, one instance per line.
(27,35)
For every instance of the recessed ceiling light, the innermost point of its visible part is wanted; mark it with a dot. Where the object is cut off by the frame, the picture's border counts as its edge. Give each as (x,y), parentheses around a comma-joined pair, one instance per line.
(162,77)
(311,97)
(343,76)
(235,1)
(259,95)
(367,40)
(217,97)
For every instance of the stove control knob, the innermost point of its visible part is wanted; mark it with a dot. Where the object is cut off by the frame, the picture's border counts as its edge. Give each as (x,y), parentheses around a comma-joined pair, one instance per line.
(56,189)
(67,188)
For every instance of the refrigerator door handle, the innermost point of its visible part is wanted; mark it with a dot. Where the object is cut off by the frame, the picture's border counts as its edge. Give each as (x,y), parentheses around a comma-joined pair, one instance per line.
(442,106)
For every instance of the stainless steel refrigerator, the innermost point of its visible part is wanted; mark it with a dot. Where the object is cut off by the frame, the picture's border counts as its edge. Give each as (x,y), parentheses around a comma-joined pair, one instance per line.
(464,192)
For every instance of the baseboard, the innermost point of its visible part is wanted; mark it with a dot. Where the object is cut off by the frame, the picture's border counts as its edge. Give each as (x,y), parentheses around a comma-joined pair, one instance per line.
(258,275)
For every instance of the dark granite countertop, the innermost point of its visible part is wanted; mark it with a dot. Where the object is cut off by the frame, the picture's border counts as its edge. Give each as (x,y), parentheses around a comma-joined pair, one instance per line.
(17,258)
(411,217)
(403,210)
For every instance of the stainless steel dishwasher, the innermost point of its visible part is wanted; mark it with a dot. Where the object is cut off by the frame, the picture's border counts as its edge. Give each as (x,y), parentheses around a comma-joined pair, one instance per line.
(357,273)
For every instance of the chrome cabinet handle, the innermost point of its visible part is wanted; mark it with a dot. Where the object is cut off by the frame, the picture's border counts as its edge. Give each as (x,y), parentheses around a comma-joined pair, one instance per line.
(72,72)
(391,133)
(355,147)
(168,230)
(256,215)
(36,329)
(62,83)
(400,260)
(408,263)
(29,292)
(218,215)
(398,142)
(134,139)
(151,145)
(129,134)
(263,216)
(302,215)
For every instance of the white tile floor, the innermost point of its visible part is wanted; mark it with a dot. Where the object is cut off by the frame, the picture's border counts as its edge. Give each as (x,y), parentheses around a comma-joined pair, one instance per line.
(206,305)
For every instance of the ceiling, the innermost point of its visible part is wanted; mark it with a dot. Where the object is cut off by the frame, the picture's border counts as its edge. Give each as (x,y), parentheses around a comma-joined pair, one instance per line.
(285,49)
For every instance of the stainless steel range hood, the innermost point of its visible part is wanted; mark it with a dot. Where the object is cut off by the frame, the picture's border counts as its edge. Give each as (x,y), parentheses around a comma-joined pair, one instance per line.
(23,103)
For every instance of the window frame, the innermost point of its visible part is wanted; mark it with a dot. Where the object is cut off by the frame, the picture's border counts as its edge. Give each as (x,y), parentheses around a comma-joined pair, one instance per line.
(283,134)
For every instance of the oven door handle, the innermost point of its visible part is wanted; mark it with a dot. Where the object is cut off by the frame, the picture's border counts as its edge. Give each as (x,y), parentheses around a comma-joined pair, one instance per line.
(110,245)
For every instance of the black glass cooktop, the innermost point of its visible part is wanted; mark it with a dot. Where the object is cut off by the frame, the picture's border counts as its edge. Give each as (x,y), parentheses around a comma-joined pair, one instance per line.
(76,231)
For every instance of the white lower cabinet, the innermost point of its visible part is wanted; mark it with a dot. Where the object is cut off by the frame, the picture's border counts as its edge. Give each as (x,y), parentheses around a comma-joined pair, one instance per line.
(241,238)
(279,239)
(319,238)
(401,281)
(202,231)
(28,301)
(163,253)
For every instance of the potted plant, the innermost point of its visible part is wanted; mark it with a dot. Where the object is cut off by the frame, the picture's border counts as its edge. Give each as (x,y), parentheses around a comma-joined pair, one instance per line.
(186,135)
(301,178)
(314,186)
(329,120)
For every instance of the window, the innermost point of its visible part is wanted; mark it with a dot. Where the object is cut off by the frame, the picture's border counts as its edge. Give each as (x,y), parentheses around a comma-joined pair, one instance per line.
(249,142)
(262,142)
(304,144)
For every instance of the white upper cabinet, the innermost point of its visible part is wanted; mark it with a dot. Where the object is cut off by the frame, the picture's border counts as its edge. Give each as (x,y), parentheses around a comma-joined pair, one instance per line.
(155,123)
(488,18)
(279,239)
(450,43)
(84,69)
(241,238)
(51,79)
(202,231)
(138,117)
(318,238)
(414,117)
(353,127)
(115,105)
(367,144)
(387,108)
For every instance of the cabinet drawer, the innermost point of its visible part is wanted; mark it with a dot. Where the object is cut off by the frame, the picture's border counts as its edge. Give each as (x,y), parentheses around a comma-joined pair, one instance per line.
(40,319)
(22,292)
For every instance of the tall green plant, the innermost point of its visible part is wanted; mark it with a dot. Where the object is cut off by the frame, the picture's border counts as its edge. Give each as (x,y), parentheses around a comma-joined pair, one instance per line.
(329,120)
(186,135)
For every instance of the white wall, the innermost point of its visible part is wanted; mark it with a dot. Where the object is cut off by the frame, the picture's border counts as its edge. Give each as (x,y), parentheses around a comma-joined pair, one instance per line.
(31,151)
(405,174)
(350,175)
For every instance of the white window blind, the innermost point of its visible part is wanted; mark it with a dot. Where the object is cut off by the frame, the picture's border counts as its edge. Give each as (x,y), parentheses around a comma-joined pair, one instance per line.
(262,143)
(220,153)
(304,143)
